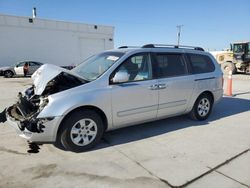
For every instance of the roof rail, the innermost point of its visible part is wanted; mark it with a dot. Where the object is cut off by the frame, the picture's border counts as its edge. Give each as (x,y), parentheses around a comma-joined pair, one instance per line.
(172,46)
(148,46)
(128,47)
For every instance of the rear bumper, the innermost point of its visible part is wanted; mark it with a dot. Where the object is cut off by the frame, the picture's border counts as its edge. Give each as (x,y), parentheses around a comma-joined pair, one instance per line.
(48,135)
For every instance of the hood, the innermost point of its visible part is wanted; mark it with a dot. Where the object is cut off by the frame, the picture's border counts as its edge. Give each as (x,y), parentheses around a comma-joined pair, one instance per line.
(45,74)
(5,68)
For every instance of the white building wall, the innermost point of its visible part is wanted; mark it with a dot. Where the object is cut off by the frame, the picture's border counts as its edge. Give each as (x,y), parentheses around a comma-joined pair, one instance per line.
(47,41)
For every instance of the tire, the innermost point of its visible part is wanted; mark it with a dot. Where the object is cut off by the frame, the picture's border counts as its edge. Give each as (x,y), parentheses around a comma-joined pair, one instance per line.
(81,131)
(8,74)
(202,107)
(228,65)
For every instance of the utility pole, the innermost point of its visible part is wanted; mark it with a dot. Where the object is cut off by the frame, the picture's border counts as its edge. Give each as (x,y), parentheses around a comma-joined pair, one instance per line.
(179,33)
(34,12)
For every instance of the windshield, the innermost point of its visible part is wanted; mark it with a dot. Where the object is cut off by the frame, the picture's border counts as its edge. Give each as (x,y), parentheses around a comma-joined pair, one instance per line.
(96,65)
(238,48)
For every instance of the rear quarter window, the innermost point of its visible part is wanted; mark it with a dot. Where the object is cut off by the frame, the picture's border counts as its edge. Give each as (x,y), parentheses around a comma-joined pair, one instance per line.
(201,63)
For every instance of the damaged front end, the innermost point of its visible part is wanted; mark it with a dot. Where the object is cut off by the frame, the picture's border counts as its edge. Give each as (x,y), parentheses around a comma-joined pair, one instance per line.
(25,112)
(23,115)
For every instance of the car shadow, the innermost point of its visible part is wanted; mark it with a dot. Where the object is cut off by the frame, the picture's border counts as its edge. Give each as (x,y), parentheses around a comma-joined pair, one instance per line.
(242,93)
(241,73)
(19,76)
(228,106)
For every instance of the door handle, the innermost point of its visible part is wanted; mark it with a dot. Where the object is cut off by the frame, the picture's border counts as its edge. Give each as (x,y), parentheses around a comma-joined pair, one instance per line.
(162,86)
(153,87)
(157,86)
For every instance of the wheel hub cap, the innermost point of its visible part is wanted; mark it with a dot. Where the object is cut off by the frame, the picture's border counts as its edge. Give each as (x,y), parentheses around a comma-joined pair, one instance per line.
(83,132)
(203,107)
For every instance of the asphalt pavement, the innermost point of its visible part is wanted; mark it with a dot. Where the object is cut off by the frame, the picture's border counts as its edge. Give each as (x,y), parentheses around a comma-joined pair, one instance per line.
(175,152)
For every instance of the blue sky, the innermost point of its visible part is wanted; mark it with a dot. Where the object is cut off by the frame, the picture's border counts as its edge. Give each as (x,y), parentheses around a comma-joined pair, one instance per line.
(212,24)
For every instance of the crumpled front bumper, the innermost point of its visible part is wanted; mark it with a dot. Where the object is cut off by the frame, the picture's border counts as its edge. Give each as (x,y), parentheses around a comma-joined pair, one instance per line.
(49,131)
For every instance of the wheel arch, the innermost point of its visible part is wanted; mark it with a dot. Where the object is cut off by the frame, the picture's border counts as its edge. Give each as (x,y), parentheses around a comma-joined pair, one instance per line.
(208,93)
(88,107)
(196,98)
(193,113)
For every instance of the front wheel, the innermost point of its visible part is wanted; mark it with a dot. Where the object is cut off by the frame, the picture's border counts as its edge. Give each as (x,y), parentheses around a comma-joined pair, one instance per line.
(202,107)
(81,131)
(8,74)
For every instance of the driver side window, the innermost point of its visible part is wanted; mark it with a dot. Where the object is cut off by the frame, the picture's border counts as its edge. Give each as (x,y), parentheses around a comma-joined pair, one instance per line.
(137,67)
(20,64)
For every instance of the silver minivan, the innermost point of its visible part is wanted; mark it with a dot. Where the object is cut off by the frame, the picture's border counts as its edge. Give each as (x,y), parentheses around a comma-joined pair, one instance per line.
(115,89)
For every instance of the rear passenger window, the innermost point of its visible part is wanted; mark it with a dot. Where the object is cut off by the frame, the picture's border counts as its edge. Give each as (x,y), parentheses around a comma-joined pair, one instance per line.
(170,65)
(32,64)
(201,63)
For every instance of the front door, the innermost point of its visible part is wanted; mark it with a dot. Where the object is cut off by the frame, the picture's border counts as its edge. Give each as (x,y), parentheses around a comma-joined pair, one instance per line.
(135,100)
(19,68)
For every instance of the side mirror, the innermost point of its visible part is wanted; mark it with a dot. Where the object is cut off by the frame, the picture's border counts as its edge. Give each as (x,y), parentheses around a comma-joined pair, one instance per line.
(120,77)
(16,66)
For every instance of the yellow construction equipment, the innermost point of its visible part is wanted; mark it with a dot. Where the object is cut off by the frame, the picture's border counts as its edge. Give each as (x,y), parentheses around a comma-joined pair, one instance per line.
(236,59)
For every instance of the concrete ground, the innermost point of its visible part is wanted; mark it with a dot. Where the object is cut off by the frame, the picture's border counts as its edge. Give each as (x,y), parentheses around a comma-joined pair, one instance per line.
(176,152)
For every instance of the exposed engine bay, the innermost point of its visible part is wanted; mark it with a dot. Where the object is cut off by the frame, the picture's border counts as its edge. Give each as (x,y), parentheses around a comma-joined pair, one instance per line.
(30,103)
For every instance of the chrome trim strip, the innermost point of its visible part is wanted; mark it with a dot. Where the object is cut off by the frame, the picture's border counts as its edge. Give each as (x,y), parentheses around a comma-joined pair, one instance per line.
(209,78)
(137,111)
(172,104)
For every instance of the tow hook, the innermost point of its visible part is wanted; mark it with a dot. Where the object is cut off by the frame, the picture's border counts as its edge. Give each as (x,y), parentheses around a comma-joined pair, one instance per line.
(3,116)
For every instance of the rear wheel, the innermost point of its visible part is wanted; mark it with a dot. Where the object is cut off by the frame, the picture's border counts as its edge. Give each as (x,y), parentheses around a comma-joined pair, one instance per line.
(8,74)
(227,66)
(81,131)
(202,107)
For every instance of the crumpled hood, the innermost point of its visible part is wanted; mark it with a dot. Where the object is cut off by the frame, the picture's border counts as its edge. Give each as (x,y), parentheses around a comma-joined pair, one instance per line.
(45,74)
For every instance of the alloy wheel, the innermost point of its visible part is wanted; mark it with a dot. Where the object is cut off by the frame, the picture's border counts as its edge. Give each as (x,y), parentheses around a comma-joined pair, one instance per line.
(203,107)
(83,132)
